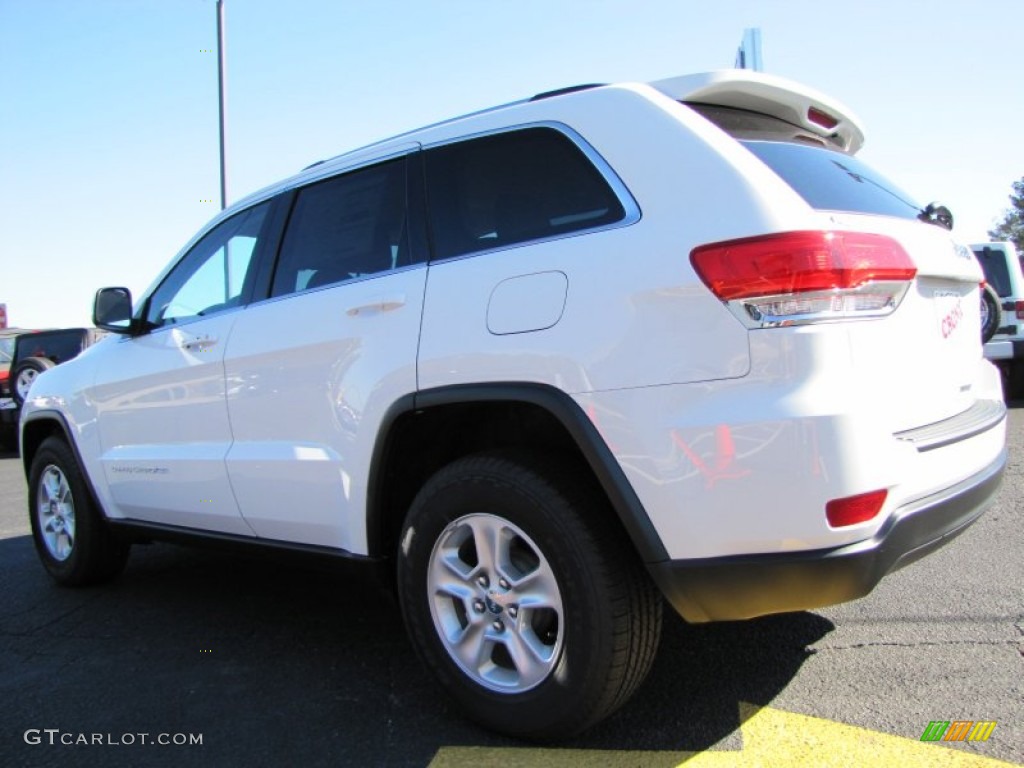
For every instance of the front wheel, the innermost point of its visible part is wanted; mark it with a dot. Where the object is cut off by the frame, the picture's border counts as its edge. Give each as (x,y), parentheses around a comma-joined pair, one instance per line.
(72,539)
(519,594)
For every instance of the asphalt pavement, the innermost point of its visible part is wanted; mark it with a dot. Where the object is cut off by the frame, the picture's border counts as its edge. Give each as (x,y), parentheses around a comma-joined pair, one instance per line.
(239,661)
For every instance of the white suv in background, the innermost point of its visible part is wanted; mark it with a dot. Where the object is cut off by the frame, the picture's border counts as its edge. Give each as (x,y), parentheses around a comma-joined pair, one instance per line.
(544,365)
(1002,267)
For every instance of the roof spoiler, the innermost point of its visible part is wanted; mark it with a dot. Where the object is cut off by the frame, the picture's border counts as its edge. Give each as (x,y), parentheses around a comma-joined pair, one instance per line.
(770,95)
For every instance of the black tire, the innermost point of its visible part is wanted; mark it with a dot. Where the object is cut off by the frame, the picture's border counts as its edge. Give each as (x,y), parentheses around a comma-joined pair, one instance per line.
(71,537)
(25,373)
(562,547)
(991,313)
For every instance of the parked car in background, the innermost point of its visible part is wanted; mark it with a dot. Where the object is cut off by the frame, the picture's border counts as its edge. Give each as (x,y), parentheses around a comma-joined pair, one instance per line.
(1004,274)
(40,351)
(7,339)
(8,407)
(32,353)
(547,366)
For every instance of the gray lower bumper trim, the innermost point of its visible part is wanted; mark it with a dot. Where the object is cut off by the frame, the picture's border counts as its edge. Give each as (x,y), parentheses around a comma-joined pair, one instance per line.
(980,417)
(744,586)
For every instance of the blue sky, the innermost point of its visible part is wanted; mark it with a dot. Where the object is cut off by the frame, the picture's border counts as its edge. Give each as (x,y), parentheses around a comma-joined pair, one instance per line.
(108,121)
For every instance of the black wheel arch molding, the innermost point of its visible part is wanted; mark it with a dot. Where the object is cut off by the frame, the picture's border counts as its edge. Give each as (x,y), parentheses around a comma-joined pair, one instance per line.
(59,425)
(54,417)
(554,402)
(557,404)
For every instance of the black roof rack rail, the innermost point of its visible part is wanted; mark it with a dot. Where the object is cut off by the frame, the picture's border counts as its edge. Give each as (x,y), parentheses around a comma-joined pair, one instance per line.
(563,91)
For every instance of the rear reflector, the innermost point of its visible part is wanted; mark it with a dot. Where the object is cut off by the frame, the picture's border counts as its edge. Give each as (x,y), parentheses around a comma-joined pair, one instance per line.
(805,276)
(855,509)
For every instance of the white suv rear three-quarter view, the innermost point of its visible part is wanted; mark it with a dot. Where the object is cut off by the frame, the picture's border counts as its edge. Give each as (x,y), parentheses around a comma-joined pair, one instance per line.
(545,365)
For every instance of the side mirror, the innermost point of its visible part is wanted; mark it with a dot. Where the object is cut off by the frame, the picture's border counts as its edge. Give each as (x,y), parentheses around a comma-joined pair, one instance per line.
(112,310)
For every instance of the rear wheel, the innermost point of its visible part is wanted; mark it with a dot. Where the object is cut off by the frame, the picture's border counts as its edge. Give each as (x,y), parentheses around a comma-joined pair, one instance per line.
(25,374)
(520,595)
(991,313)
(71,537)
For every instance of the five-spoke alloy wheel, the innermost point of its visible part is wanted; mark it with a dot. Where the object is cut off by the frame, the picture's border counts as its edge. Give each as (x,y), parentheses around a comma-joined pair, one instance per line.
(73,540)
(495,603)
(55,513)
(522,596)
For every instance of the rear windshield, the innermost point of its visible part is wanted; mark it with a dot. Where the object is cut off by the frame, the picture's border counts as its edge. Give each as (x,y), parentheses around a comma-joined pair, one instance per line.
(833,181)
(814,166)
(997,274)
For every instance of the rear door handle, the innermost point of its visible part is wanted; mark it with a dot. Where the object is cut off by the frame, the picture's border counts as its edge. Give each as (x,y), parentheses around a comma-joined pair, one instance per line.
(377,304)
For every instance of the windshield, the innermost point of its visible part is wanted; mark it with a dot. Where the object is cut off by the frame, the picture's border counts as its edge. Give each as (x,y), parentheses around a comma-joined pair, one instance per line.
(833,181)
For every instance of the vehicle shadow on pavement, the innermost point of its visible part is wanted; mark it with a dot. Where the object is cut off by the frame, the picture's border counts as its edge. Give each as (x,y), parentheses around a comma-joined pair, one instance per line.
(276,664)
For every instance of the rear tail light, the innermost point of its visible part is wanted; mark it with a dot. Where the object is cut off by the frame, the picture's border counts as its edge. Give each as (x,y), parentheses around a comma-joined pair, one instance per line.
(855,509)
(1020,310)
(802,277)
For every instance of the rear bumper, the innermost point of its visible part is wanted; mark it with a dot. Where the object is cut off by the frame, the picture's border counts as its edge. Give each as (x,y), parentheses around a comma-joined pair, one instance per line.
(1004,349)
(744,586)
(9,413)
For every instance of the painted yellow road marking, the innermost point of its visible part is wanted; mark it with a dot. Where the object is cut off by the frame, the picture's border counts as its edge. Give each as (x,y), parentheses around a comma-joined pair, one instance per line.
(771,737)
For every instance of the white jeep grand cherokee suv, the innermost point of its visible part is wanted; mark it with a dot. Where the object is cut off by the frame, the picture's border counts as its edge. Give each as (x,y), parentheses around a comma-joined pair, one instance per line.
(542,363)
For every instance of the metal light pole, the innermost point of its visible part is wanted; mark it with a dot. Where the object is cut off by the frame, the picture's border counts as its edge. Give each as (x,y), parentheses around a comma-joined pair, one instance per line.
(220,94)
(749,54)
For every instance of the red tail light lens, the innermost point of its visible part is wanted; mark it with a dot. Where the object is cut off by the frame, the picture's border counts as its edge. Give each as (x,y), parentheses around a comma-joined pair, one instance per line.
(1020,310)
(807,276)
(855,509)
(797,262)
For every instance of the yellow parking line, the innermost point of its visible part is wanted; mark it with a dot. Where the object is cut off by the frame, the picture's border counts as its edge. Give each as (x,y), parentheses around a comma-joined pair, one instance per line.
(771,737)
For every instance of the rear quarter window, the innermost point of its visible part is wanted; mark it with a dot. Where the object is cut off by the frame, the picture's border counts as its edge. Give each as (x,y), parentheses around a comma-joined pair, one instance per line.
(513,187)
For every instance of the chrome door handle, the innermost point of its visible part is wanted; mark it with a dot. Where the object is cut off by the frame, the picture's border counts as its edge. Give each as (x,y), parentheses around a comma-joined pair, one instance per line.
(198,343)
(378,304)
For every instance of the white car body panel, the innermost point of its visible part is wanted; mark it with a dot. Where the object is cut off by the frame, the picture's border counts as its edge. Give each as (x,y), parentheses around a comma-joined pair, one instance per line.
(747,466)
(309,379)
(163,424)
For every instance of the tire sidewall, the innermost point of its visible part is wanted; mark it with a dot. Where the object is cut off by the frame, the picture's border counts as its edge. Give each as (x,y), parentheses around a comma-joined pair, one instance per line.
(586,639)
(73,569)
(992,324)
(37,364)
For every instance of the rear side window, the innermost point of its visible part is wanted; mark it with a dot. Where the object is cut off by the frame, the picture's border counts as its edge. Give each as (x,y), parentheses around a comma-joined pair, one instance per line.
(833,181)
(513,187)
(346,227)
(997,273)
